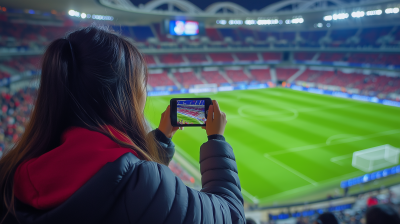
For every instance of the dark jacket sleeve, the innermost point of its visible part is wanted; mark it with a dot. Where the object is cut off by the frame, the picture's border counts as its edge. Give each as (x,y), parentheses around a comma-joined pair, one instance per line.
(166,147)
(155,195)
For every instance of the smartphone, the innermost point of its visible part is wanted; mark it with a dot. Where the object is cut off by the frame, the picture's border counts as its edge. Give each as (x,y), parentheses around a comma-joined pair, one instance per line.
(189,111)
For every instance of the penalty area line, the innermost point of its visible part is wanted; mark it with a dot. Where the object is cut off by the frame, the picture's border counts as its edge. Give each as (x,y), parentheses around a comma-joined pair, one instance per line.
(295,172)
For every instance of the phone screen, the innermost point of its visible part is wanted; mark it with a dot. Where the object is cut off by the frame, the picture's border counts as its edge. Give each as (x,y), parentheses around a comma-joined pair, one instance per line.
(190,112)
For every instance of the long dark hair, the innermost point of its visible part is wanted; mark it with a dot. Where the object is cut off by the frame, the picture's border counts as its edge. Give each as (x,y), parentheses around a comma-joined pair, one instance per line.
(92,78)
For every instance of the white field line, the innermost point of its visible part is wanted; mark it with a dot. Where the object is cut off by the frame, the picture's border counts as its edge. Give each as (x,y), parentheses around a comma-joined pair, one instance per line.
(295,172)
(335,159)
(339,136)
(341,141)
(289,111)
(192,118)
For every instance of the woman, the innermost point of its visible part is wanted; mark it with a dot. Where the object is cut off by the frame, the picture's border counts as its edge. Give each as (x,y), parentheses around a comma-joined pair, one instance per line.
(85,156)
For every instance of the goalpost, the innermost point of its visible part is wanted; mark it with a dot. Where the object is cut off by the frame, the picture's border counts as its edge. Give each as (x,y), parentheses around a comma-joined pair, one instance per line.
(375,158)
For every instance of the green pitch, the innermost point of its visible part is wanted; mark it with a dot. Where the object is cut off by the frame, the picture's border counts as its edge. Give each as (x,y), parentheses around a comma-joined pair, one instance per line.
(289,143)
(188,119)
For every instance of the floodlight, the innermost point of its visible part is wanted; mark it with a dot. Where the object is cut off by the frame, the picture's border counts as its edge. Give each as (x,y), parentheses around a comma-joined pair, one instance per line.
(328,18)
(83,15)
(357,14)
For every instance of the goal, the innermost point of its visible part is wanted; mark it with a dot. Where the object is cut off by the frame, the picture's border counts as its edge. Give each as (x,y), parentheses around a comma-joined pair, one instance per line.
(204,88)
(375,158)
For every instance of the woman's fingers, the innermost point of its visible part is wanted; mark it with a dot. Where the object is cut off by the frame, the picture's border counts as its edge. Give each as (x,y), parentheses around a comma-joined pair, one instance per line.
(217,111)
(210,113)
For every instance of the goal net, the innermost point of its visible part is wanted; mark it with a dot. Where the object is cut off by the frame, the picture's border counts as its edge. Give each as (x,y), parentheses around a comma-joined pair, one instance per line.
(204,88)
(375,158)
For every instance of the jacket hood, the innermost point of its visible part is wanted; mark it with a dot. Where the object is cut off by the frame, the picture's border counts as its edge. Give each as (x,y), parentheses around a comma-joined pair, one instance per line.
(50,179)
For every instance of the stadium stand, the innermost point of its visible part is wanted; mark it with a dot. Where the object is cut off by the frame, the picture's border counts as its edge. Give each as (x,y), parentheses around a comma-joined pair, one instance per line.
(331,57)
(237,75)
(160,79)
(196,58)
(149,59)
(213,34)
(261,75)
(142,33)
(303,56)
(340,36)
(187,79)
(247,56)
(213,77)
(285,73)
(221,57)
(271,56)
(171,58)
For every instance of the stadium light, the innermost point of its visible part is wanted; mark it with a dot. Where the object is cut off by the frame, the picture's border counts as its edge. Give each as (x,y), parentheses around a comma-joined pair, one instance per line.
(74,13)
(267,21)
(83,15)
(288,21)
(297,20)
(374,12)
(101,17)
(250,22)
(392,10)
(340,16)
(221,22)
(328,18)
(235,22)
(357,14)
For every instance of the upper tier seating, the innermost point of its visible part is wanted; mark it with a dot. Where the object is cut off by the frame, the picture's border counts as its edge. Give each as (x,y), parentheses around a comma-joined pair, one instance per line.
(124,30)
(390,59)
(142,33)
(365,58)
(340,36)
(285,73)
(221,57)
(187,78)
(213,34)
(4,75)
(331,57)
(24,63)
(160,79)
(213,77)
(149,59)
(171,58)
(303,56)
(369,36)
(228,32)
(271,56)
(244,33)
(312,37)
(196,58)
(261,75)
(247,56)
(237,75)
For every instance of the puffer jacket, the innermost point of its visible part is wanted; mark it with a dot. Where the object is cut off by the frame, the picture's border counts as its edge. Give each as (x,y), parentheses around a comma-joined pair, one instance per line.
(130,190)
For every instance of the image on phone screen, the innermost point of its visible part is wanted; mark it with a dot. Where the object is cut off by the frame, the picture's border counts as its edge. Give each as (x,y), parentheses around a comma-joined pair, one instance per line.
(190,112)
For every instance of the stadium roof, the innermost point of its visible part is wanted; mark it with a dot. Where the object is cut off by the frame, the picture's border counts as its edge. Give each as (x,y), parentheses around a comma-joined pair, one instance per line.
(145,11)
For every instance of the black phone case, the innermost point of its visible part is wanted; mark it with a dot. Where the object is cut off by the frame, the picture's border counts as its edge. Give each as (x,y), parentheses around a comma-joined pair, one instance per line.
(173,112)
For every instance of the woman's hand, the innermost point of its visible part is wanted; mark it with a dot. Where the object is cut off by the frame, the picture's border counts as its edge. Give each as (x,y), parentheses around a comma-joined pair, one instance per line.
(165,124)
(215,125)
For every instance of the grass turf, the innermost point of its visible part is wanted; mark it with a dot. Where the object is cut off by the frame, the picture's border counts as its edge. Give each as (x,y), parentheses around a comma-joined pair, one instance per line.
(289,143)
(188,119)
